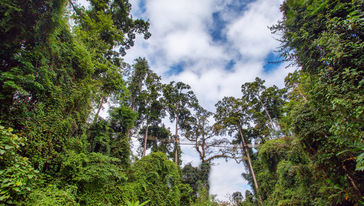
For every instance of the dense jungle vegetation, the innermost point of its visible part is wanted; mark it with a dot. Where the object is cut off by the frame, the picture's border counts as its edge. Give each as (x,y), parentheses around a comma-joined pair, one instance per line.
(61,64)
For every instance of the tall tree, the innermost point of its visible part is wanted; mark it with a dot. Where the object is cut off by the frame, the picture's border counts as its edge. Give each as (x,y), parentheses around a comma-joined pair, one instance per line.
(153,110)
(102,28)
(265,107)
(145,94)
(179,99)
(231,117)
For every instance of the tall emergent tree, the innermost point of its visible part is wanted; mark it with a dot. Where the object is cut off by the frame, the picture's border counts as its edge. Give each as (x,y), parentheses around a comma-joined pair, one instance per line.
(231,116)
(208,145)
(265,107)
(152,108)
(179,99)
(145,98)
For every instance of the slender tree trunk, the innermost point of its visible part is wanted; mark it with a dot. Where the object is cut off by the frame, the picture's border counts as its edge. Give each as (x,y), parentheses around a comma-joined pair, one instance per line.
(203,143)
(203,151)
(270,118)
(245,147)
(145,140)
(128,135)
(176,143)
(266,111)
(98,110)
(74,8)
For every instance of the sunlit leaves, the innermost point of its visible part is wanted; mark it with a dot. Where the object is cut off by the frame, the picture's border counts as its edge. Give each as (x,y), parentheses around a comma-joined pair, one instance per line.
(17,176)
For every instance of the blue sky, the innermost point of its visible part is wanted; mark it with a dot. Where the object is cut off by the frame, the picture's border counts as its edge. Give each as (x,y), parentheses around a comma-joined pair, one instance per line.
(214,46)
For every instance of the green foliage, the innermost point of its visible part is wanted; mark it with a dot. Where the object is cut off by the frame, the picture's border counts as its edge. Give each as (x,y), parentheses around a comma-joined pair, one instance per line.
(197,178)
(159,139)
(99,137)
(52,196)
(122,119)
(136,82)
(96,175)
(204,198)
(284,173)
(53,77)
(178,98)
(249,201)
(360,159)
(17,176)
(157,179)
(288,177)
(145,98)
(325,38)
(191,176)
(93,168)
(136,203)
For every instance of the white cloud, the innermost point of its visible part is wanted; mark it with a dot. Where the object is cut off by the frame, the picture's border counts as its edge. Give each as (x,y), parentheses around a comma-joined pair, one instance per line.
(190,45)
(250,35)
(172,15)
(215,83)
(179,33)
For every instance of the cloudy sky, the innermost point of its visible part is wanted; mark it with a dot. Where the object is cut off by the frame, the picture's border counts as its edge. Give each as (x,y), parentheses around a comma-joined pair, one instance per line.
(214,46)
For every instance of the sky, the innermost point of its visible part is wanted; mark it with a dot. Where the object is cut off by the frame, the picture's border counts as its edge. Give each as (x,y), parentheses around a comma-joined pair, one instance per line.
(214,46)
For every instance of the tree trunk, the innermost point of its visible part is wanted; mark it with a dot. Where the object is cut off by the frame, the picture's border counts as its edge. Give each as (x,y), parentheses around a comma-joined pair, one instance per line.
(129,132)
(128,135)
(98,110)
(266,111)
(176,143)
(145,140)
(74,8)
(245,147)
(203,144)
